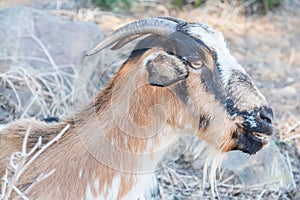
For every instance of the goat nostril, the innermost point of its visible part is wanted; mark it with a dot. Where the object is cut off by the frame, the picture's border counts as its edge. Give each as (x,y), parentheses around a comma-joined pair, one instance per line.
(266,119)
(266,114)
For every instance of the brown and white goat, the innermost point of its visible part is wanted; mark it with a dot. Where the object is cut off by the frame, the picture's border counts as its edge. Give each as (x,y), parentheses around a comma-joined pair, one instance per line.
(180,79)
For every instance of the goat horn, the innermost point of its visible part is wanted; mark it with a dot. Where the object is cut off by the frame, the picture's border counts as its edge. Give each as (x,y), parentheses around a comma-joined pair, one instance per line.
(173,19)
(136,29)
(121,43)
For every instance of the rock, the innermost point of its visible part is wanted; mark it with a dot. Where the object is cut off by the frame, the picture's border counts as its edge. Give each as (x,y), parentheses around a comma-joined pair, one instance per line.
(287,91)
(40,54)
(23,30)
(46,4)
(267,169)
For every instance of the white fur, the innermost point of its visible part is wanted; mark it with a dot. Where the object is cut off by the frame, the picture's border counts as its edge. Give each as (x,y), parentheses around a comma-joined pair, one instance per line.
(90,196)
(145,183)
(80,173)
(3,126)
(215,40)
(251,120)
(115,187)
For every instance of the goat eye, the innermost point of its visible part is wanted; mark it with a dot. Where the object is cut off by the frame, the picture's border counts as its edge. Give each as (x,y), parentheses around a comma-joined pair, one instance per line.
(197,65)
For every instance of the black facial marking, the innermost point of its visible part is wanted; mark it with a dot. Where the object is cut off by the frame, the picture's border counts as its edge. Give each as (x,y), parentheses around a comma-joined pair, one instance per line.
(254,123)
(203,122)
(246,142)
(137,53)
(185,46)
(229,106)
(212,85)
(181,91)
(215,57)
(211,81)
(179,43)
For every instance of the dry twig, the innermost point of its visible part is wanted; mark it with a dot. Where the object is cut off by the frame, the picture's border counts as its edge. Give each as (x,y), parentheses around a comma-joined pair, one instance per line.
(20,161)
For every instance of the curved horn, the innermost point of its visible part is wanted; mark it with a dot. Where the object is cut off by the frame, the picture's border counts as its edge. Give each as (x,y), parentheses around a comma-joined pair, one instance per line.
(121,43)
(138,28)
(173,19)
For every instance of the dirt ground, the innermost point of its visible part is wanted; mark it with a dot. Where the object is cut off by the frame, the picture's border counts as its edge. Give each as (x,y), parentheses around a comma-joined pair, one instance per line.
(268,47)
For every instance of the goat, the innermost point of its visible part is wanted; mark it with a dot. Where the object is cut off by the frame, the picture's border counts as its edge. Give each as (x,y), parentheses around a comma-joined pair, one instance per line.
(180,79)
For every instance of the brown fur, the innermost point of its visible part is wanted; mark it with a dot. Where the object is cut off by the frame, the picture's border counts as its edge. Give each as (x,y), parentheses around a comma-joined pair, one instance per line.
(127,119)
(82,146)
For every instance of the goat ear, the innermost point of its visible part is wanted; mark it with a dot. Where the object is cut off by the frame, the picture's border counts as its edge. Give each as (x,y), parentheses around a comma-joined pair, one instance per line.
(164,69)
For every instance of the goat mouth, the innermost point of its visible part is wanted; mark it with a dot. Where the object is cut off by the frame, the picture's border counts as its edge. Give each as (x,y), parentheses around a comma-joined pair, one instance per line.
(250,141)
(261,137)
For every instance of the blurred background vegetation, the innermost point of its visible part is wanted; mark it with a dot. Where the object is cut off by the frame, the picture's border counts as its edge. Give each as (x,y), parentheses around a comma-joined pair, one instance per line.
(252,6)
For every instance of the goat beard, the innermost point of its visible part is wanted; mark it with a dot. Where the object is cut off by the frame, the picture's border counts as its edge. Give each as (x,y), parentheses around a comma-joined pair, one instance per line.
(212,159)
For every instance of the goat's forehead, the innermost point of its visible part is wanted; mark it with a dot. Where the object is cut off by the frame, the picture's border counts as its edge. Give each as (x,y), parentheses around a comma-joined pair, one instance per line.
(215,41)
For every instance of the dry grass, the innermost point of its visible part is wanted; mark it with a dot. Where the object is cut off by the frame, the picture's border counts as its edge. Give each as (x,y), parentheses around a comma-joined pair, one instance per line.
(51,91)
(289,129)
(20,161)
